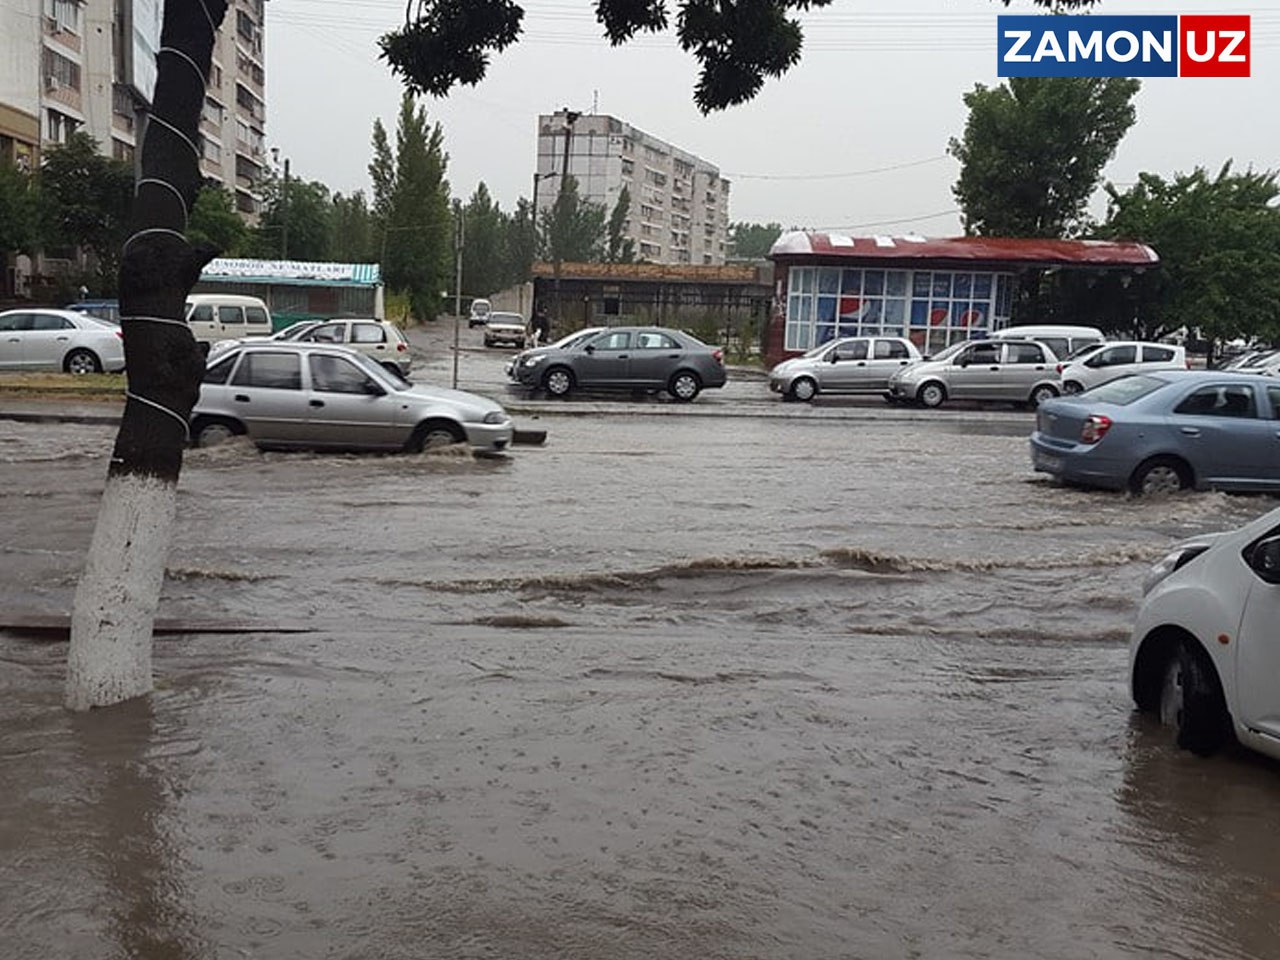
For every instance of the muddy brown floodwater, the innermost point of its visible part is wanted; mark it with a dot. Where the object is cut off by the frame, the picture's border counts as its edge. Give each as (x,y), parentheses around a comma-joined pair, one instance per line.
(668,687)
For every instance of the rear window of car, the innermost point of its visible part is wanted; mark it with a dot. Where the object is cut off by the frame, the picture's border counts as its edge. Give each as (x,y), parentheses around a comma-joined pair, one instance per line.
(1156,354)
(1125,390)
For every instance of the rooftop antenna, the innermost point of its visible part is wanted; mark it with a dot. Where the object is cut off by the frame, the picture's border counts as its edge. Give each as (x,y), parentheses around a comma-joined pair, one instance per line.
(595,101)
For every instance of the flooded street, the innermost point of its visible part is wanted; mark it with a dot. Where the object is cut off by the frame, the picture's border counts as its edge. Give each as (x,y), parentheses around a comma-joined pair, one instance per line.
(803,684)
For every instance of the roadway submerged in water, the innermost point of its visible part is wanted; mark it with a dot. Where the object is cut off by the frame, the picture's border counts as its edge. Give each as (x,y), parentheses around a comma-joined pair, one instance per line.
(667,687)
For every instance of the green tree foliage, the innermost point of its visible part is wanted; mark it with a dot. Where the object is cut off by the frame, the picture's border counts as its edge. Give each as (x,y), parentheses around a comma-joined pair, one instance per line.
(483,267)
(1218,238)
(19,211)
(351,229)
(215,222)
(86,199)
(751,241)
(413,223)
(738,43)
(295,221)
(620,249)
(519,246)
(573,230)
(1033,151)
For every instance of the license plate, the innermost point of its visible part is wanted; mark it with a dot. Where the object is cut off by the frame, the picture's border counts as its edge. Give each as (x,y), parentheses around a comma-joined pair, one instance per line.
(1047,462)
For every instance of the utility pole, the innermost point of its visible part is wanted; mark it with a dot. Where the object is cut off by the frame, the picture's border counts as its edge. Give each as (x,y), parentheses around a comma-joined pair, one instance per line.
(457,293)
(284,214)
(536,178)
(570,118)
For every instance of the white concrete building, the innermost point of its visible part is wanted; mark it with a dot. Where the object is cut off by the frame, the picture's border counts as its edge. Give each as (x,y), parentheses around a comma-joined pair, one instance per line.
(67,65)
(679,202)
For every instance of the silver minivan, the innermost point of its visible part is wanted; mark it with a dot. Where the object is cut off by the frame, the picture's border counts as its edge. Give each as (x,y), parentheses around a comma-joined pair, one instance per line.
(848,365)
(1016,371)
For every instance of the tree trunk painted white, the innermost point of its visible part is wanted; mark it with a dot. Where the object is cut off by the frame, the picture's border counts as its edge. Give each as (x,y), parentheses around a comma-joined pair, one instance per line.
(116,599)
(119,591)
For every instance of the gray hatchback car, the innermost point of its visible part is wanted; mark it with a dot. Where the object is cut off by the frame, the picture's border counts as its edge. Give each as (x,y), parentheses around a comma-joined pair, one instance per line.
(1017,371)
(628,358)
(848,365)
(320,396)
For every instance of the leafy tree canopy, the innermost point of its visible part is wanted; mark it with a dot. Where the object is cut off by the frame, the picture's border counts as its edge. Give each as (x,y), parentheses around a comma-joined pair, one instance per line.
(751,241)
(574,229)
(738,43)
(1033,151)
(19,210)
(86,199)
(215,222)
(1218,238)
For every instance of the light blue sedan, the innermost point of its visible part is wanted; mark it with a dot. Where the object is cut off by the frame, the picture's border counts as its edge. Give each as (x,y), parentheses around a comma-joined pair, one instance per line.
(1165,431)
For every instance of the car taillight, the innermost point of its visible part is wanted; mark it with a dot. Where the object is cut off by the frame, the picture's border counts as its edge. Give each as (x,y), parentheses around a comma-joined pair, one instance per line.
(1188,364)
(1095,428)
(402,346)
(1059,367)
(120,334)
(719,355)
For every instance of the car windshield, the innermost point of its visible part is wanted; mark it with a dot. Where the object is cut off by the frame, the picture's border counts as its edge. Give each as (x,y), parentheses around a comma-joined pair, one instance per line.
(295,330)
(573,339)
(497,317)
(1125,390)
(100,321)
(948,352)
(1079,353)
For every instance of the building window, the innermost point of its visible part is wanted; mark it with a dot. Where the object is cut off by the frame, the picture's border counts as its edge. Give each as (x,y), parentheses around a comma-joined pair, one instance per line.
(63,15)
(58,126)
(210,150)
(212,112)
(121,150)
(215,76)
(933,308)
(60,72)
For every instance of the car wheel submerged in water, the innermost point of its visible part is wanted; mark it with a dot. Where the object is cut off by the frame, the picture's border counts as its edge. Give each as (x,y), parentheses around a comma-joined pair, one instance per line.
(1191,702)
(210,433)
(435,434)
(1160,476)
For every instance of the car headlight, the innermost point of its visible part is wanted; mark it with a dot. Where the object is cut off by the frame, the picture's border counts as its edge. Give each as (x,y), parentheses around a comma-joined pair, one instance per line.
(534,360)
(1176,559)
(496,416)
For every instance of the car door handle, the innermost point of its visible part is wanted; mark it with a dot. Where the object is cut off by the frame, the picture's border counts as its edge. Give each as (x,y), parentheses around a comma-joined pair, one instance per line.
(380,347)
(1191,431)
(624,356)
(63,339)
(903,363)
(862,363)
(241,398)
(673,356)
(315,403)
(993,368)
(1041,367)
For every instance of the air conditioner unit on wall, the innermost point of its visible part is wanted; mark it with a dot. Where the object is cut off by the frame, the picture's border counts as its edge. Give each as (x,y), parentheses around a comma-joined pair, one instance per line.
(51,84)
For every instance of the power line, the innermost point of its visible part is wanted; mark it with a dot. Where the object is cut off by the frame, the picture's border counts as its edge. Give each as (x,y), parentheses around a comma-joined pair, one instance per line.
(883,223)
(835,176)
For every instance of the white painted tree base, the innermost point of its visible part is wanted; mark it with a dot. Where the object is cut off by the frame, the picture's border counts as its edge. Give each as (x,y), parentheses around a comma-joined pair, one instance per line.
(118,593)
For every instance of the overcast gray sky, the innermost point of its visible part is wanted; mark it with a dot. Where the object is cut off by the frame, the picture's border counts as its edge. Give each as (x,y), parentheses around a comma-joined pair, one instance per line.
(852,138)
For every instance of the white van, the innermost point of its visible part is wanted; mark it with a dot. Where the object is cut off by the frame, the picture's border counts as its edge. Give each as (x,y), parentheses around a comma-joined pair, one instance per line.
(226,316)
(1061,339)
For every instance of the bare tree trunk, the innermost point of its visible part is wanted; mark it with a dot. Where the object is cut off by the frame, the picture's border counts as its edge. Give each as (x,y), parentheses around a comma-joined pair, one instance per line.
(116,599)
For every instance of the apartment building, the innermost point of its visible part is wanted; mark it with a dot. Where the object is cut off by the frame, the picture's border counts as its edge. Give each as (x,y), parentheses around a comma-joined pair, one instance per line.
(67,65)
(679,209)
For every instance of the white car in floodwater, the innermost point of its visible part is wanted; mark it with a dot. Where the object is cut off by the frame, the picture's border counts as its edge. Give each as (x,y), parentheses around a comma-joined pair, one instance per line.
(1205,651)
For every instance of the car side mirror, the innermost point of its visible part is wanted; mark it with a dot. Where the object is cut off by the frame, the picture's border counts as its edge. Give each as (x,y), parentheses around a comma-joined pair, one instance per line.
(374,389)
(962,362)
(590,348)
(1264,559)
(834,357)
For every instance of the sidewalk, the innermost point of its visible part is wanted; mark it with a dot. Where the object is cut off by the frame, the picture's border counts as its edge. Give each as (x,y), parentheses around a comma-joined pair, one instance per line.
(61,410)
